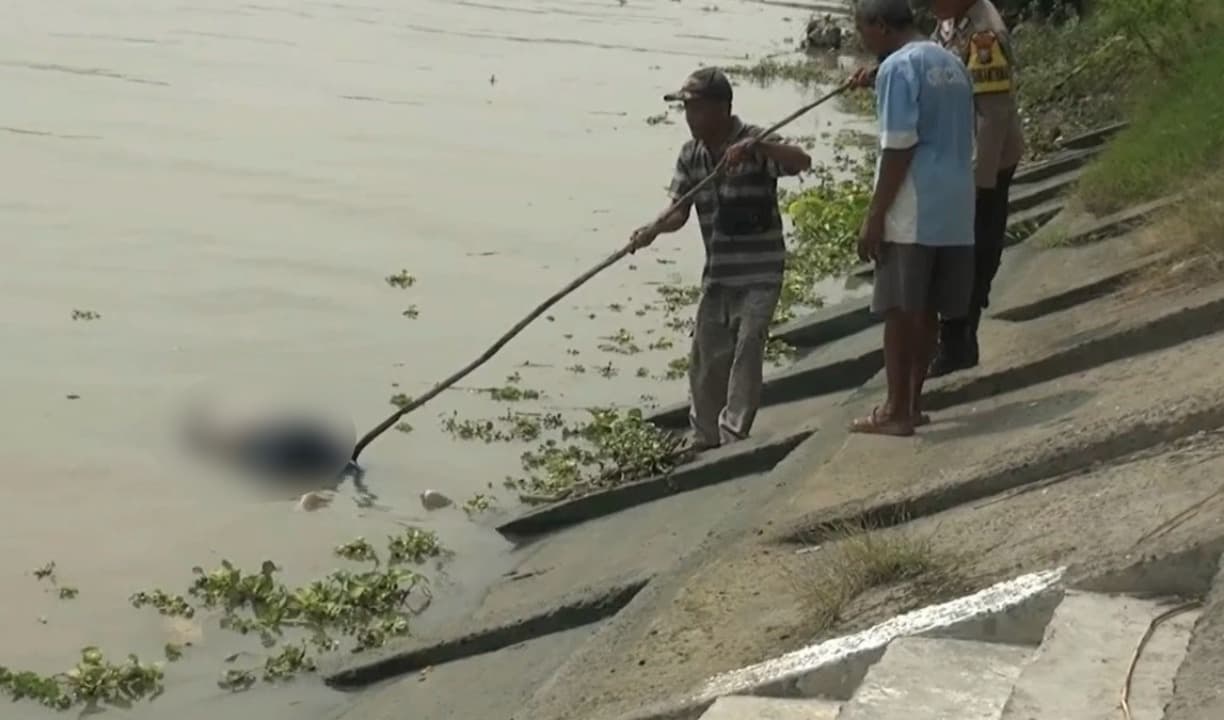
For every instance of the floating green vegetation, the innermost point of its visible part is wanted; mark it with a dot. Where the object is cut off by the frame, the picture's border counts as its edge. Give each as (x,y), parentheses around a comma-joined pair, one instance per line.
(826,217)
(512,393)
(93,681)
(610,449)
(511,427)
(479,503)
(803,71)
(367,606)
(621,342)
(166,604)
(402,280)
(677,368)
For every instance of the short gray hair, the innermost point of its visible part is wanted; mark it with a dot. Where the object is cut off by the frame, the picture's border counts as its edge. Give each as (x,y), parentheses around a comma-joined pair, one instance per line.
(890,13)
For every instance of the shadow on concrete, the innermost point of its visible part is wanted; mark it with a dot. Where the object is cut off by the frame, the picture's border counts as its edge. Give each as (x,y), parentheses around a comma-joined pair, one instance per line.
(1070,298)
(1006,417)
(1054,464)
(1160,334)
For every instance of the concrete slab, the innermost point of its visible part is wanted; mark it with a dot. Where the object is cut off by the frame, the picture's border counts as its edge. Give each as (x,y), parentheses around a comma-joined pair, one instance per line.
(1093,137)
(1031,220)
(1017,440)
(936,679)
(828,324)
(478,688)
(639,542)
(1033,272)
(1080,668)
(1198,693)
(1051,414)
(1092,230)
(1030,195)
(585,606)
(747,707)
(1058,163)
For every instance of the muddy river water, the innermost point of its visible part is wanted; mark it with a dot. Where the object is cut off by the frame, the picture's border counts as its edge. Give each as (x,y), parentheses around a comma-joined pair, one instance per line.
(227,184)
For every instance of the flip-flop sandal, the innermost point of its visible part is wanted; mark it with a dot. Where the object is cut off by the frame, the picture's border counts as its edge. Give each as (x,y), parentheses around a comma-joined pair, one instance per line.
(872,425)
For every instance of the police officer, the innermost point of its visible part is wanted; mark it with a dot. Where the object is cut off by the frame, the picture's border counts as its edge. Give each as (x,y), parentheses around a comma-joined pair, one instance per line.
(975,31)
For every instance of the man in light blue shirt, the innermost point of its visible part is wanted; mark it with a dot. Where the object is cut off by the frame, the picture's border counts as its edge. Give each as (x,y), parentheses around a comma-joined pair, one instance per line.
(919,226)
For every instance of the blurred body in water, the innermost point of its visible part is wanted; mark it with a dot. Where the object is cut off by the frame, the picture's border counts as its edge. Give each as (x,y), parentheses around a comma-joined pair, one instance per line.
(280,444)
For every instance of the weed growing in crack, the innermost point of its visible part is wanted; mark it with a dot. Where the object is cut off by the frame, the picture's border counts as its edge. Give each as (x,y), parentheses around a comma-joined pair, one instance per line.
(855,559)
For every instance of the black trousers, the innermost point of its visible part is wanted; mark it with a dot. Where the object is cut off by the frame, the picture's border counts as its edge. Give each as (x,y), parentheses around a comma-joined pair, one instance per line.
(989,234)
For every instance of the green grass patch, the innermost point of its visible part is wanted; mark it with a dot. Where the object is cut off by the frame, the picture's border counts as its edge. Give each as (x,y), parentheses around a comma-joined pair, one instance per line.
(856,559)
(1175,137)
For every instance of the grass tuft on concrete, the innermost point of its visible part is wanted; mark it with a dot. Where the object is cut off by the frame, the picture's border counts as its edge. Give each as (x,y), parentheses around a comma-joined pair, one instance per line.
(1190,238)
(855,559)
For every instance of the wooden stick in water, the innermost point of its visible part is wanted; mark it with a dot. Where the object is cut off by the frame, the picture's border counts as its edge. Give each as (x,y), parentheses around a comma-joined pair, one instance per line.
(572,286)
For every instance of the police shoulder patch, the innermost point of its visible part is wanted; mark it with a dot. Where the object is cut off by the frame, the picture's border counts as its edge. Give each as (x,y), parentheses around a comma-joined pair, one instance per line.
(988,63)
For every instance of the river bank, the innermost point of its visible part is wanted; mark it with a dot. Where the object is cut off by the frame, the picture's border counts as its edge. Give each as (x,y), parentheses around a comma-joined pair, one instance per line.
(1064,457)
(218,194)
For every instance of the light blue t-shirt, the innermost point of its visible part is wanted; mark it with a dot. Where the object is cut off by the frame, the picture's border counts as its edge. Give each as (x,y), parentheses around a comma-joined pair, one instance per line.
(924,100)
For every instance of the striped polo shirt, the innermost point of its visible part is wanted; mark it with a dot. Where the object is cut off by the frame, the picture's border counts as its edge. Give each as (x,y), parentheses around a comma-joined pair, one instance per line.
(741,224)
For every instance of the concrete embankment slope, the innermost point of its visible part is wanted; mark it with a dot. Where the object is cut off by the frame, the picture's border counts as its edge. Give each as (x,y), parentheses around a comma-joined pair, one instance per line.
(1088,434)
(1085,434)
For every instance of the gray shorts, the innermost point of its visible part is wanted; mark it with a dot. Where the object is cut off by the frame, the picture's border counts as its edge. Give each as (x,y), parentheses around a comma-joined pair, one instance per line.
(917,278)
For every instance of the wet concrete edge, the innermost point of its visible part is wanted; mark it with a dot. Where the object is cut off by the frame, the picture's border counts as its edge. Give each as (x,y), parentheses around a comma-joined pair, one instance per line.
(584,609)
(693,476)
(793,384)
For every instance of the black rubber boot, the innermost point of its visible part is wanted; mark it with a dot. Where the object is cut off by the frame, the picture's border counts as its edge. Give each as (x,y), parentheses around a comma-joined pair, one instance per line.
(971,339)
(951,354)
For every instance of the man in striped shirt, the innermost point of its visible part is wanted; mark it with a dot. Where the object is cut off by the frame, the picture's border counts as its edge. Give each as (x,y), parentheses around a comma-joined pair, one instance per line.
(741,226)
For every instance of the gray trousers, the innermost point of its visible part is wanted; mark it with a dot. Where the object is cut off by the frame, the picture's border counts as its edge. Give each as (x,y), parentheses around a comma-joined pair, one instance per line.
(727,361)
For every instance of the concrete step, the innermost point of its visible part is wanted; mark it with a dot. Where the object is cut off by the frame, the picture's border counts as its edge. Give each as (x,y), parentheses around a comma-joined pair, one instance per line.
(748,707)
(1079,670)
(1030,195)
(934,679)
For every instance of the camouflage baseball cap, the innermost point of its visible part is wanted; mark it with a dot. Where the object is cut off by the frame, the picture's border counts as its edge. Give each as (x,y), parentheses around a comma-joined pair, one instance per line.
(705,84)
